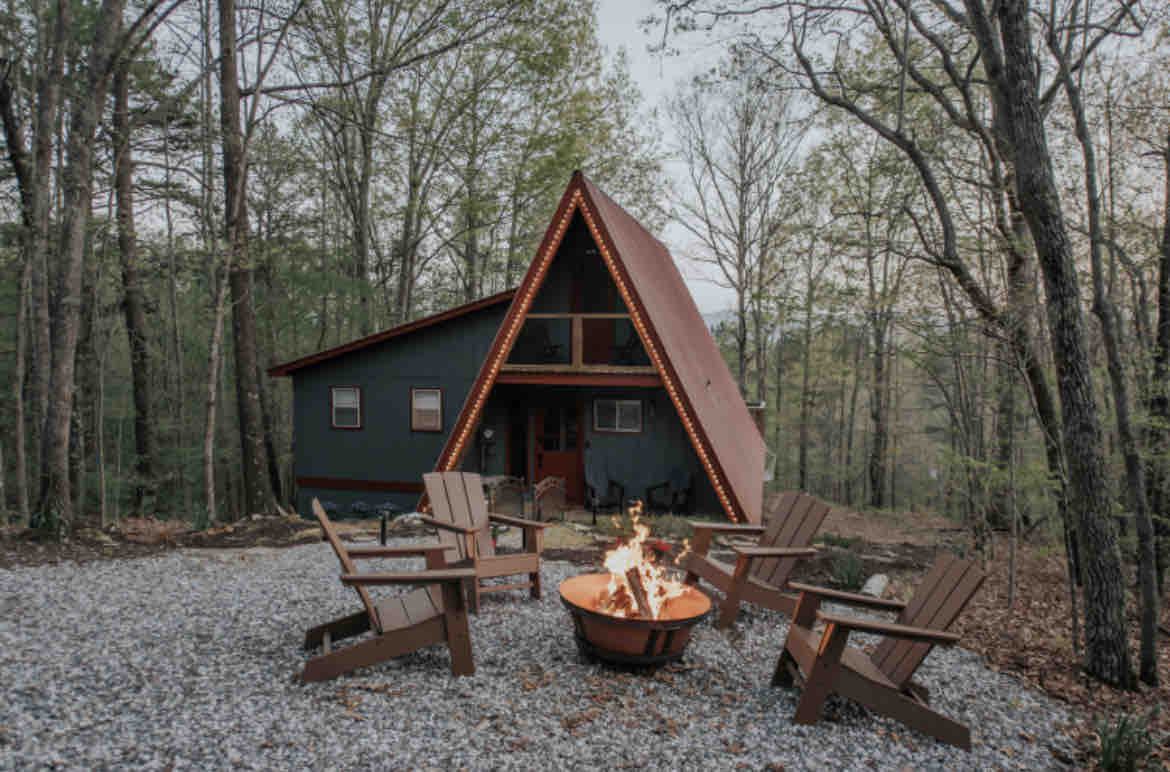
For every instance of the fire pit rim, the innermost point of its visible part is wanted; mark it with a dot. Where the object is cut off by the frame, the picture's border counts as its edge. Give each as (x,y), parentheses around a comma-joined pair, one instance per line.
(637,623)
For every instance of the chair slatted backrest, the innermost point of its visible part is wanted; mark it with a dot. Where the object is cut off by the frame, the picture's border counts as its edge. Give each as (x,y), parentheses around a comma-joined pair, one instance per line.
(791,521)
(347,565)
(458,498)
(937,602)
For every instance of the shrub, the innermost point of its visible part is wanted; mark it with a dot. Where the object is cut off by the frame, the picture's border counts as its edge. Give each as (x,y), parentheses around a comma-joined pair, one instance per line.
(836,540)
(671,527)
(848,571)
(1124,744)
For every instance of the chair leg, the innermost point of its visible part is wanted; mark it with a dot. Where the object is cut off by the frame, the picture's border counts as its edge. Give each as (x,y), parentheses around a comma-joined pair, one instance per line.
(783,676)
(534,590)
(473,593)
(338,629)
(730,607)
(822,676)
(458,632)
(338,661)
(915,715)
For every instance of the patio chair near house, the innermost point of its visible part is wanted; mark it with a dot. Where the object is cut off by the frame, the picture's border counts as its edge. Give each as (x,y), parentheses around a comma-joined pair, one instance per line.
(601,490)
(761,572)
(675,494)
(459,511)
(433,612)
(881,681)
(549,499)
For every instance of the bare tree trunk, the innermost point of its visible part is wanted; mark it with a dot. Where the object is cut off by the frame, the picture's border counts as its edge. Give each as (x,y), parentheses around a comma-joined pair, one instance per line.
(877,414)
(48,114)
(176,339)
(257,489)
(134,300)
(55,511)
(1159,406)
(19,441)
(213,363)
(1111,337)
(778,430)
(850,493)
(1000,503)
(806,397)
(1107,654)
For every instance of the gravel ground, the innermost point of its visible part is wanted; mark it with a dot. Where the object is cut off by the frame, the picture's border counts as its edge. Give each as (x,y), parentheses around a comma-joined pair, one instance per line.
(188,662)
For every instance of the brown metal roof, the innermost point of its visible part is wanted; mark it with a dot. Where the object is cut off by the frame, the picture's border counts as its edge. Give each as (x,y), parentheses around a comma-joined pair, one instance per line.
(697,379)
(690,350)
(288,368)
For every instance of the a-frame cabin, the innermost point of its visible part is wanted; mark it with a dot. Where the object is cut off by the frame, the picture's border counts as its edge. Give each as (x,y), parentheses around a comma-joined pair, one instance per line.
(600,368)
(604,329)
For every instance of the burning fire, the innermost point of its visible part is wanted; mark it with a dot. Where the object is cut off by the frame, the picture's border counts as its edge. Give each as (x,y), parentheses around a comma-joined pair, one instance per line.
(631,559)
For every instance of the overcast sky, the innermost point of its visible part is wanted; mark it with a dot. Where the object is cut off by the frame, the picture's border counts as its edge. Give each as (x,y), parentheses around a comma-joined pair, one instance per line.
(657,76)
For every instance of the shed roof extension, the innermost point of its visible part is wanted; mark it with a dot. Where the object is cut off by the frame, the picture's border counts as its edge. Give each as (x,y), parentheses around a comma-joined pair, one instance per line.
(288,368)
(673,332)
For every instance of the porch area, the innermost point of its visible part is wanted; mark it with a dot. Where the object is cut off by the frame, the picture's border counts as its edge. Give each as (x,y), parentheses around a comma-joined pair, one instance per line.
(590,436)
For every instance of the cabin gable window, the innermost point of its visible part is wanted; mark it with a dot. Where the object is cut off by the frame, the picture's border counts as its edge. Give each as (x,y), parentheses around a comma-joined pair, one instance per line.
(426,410)
(345,407)
(617,415)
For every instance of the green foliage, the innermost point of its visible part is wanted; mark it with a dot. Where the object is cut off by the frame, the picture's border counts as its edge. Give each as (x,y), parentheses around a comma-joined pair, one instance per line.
(1125,744)
(836,540)
(668,527)
(848,571)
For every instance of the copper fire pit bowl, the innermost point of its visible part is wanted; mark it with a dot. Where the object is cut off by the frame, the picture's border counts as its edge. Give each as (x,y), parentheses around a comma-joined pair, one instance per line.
(629,641)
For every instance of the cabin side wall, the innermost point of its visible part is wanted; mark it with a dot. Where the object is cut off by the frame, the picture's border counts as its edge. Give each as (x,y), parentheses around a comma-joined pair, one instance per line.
(383,462)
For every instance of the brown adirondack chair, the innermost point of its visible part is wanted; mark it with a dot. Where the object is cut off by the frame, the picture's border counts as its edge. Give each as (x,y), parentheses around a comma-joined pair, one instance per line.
(760,573)
(434,612)
(459,511)
(881,681)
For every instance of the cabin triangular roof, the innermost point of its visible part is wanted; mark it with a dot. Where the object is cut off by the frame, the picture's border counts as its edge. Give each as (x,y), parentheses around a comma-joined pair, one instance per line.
(672,331)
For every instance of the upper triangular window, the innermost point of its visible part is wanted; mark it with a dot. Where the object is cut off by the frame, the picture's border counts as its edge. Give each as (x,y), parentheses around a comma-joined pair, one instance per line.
(577,317)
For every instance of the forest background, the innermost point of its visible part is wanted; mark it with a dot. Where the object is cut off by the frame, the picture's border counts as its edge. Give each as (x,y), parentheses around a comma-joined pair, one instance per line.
(911,207)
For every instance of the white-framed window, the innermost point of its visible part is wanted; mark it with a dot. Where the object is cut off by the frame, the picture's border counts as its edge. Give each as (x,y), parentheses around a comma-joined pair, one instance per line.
(346,407)
(617,415)
(426,410)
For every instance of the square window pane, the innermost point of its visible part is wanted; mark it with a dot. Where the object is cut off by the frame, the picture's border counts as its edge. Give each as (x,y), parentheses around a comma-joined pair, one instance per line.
(427,399)
(605,414)
(426,410)
(629,416)
(347,407)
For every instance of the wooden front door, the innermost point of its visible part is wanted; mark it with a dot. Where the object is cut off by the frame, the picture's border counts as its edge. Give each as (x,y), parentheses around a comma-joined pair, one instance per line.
(557,447)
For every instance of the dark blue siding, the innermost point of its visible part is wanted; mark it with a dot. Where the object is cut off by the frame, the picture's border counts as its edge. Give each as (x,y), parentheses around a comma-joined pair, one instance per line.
(446,356)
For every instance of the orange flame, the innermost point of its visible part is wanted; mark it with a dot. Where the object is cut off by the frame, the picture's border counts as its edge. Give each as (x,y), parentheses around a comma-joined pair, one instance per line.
(617,599)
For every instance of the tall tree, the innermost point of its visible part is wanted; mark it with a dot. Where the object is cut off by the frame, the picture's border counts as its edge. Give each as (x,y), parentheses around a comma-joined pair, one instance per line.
(134,299)
(738,139)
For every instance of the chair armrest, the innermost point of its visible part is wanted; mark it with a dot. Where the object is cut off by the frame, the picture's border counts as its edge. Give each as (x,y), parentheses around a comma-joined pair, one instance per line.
(908,632)
(516,521)
(405,550)
(776,552)
(413,577)
(853,598)
(744,528)
(444,525)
